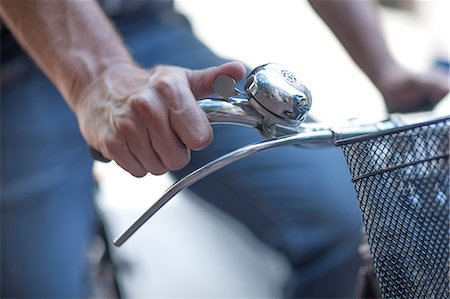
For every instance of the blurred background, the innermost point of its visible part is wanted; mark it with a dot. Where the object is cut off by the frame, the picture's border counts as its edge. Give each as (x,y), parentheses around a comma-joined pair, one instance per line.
(191,250)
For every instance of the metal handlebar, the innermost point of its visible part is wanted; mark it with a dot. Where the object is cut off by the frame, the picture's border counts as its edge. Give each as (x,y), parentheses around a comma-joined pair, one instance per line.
(276,104)
(310,137)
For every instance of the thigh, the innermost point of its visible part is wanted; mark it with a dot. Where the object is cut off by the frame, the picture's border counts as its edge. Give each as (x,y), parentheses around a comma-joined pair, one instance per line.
(45,241)
(46,198)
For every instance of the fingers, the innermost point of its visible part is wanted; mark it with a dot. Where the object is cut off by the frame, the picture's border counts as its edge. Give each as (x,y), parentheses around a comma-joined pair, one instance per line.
(150,123)
(192,127)
(172,151)
(134,153)
(190,122)
(409,92)
(183,115)
(201,81)
(186,118)
(139,151)
(180,125)
(119,151)
(141,148)
(153,141)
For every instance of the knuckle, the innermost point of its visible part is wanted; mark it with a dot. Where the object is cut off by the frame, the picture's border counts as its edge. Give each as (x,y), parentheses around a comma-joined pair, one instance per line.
(125,127)
(142,107)
(159,171)
(115,146)
(199,141)
(137,173)
(179,161)
(165,88)
(137,103)
(153,164)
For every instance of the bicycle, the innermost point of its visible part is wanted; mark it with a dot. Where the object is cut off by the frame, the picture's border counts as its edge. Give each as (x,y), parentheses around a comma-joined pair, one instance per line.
(400,172)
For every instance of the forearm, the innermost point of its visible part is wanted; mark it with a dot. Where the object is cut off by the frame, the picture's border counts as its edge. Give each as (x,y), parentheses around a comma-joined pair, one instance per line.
(355,24)
(73,42)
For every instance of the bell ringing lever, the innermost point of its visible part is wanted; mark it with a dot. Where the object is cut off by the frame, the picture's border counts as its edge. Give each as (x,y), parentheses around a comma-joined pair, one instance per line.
(274,101)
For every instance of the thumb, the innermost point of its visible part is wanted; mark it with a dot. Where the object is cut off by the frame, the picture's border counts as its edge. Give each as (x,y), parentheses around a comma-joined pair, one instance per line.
(201,81)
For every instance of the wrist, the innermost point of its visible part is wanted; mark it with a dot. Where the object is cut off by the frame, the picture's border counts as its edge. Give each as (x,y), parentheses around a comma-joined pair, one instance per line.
(81,81)
(382,73)
(111,87)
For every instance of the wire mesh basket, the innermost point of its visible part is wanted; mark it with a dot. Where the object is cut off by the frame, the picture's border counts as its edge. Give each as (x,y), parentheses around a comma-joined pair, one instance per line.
(401,177)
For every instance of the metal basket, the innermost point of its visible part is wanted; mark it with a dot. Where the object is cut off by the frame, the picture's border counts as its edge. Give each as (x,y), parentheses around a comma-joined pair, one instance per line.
(401,177)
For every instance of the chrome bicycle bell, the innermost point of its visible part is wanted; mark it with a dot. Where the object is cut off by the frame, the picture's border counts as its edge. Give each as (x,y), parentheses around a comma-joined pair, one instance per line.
(278,95)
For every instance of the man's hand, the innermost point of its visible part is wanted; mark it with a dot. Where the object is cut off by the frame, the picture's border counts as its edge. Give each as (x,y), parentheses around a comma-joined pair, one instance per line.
(148,120)
(405,91)
(356,25)
(145,120)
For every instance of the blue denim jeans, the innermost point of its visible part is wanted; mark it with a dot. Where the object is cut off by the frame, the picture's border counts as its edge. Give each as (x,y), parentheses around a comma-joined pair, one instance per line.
(299,201)
(46,193)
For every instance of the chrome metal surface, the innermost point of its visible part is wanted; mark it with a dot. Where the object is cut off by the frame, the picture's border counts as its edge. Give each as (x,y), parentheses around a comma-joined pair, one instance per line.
(312,136)
(307,137)
(231,111)
(277,103)
(278,95)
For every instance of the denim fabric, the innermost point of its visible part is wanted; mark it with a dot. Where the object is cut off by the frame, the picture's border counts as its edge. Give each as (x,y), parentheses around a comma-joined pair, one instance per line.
(299,201)
(46,193)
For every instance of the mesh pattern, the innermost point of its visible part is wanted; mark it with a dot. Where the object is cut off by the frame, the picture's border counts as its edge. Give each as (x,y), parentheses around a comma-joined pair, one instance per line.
(402,180)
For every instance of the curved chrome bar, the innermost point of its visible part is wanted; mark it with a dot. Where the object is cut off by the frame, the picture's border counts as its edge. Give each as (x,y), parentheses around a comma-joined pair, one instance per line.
(303,138)
(273,97)
(313,135)
(231,111)
(276,105)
